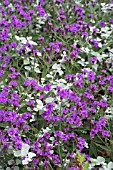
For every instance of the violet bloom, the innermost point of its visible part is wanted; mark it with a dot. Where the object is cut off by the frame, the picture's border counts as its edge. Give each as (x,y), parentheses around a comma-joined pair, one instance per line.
(13,83)
(27,17)
(93,59)
(40,10)
(38,88)
(45,163)
(70,121)
(31,12)
(10,10)
(94,30)
(10,116)
(93,86)
(105,133)
(110,88)
(102,23)
(78,83)
(73,28)
(33,82)
(90,15)
(111,82)
(69,76)
(55,159)
(13,44)
(49,107)
(61,12)
(42,2)
(93,132)
(91,75)
(84,113)
(1,72)
(35,161)
(26,115)
(18,144)
(40,38)
(5,146)
(47,87)
(12,131)
(95,43)
(102,121)
(6,3)
(31,102)
(111,21)
(80,143)
(84,34)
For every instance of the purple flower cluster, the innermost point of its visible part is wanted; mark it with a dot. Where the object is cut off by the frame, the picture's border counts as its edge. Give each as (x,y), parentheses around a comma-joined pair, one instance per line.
(58,108)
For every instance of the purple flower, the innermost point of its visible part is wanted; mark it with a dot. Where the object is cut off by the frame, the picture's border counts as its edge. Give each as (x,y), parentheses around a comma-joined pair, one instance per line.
(78,83)
(84,113)
(13,83)
(91,75)
(84,34)
(40,38)
(61,12)
(5,146)
(31,11)
(111,20)
(6,3)
(102,23)
(102,121)
(70,121)
(73,28)
(42,2)
(12,131)
(93,59)
(18,144)
(47,87)
(26,115)
(90,15)
(93,86)
(95,43)
(110,88)
(1,72)
(40,10)
(49,107)
(45,163)
(35,161)
(13,44)
(31,102)
(58,133)
(105,133)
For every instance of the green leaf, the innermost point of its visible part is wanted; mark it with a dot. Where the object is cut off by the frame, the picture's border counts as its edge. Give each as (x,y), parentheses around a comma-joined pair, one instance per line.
(93,149)
(8,168)
(47,94)
(86,165)
(104,47)
(103,147)
(16,168)
(18,161)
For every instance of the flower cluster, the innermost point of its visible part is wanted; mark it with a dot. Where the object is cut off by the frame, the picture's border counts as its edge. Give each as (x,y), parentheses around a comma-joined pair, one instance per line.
(56,84)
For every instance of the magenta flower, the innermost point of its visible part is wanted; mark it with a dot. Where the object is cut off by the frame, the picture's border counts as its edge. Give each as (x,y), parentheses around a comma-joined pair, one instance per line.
(105,133)
(102,23)
(91,75)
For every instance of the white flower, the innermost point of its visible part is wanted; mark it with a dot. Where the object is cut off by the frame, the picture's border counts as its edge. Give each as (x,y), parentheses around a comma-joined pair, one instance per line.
(28,158)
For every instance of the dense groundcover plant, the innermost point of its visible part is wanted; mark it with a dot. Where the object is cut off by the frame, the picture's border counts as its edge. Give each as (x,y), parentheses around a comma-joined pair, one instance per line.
(56,85)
